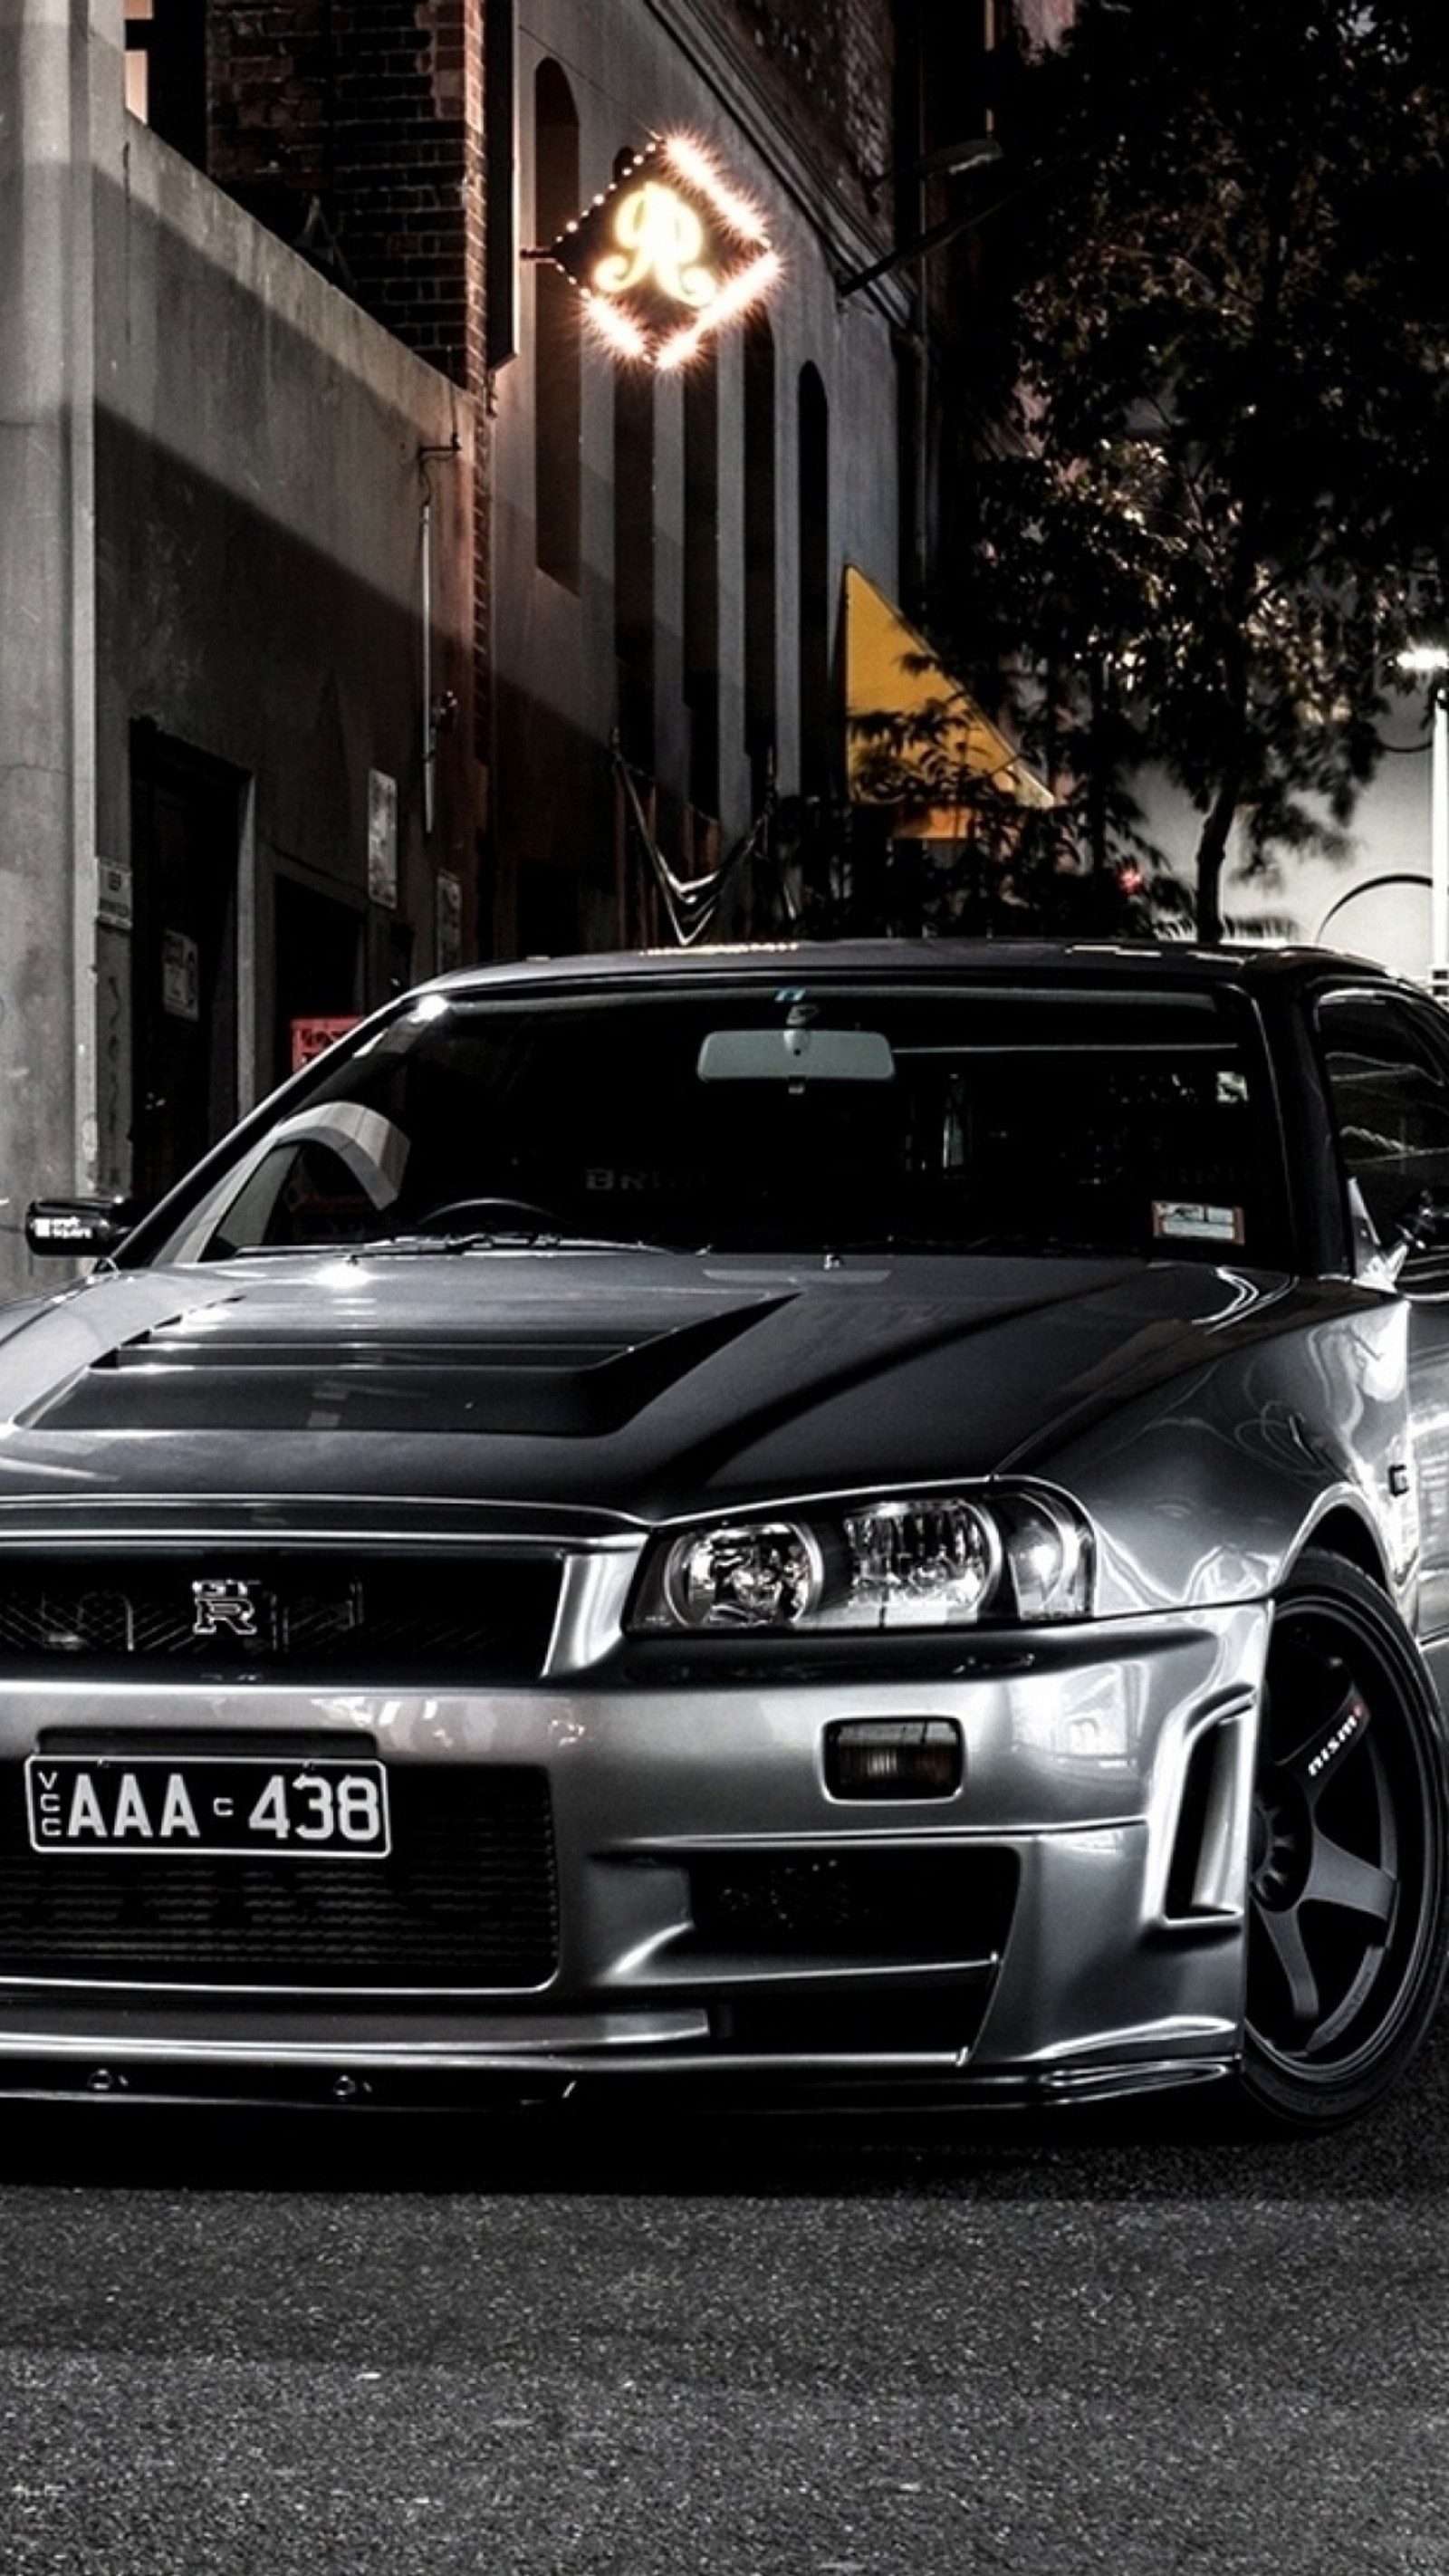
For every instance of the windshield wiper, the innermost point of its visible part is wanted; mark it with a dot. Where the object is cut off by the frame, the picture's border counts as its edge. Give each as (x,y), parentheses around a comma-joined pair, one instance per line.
(515,1239)
(500,1239)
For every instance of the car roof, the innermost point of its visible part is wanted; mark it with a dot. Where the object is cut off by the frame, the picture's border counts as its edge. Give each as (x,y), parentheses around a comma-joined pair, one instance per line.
(1240,965)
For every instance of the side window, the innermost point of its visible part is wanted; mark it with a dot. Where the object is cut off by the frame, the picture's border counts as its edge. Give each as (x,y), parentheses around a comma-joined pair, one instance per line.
(331,1174)
(1387,1067)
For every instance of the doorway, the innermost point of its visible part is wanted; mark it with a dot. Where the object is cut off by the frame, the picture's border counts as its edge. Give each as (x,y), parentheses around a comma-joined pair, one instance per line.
(318,953)
(186,813)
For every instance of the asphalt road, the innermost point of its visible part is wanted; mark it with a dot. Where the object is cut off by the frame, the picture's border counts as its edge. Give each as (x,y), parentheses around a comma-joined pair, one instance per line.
(292,2345)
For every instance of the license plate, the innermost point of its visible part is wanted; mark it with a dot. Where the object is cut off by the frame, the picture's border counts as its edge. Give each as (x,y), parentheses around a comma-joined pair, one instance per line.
(153,1803)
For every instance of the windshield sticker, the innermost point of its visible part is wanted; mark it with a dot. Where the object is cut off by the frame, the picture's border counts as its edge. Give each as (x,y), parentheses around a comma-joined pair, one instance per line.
(1190,1219)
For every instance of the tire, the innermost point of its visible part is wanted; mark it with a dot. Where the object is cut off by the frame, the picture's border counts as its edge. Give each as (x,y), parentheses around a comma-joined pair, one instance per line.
(1348,1880)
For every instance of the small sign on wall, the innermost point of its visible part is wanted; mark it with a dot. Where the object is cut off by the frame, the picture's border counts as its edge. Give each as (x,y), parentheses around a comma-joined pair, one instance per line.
(382,838)
(115,908)
(313,1037)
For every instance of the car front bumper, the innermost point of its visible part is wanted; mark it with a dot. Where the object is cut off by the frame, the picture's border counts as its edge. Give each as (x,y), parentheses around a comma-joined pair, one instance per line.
(1066,1925)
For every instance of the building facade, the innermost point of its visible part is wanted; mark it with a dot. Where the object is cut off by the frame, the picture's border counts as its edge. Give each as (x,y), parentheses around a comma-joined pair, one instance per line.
(221,810)
(669,542)
(366,610)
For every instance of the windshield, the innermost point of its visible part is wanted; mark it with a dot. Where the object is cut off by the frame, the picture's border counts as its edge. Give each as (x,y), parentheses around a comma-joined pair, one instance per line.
(802,1119)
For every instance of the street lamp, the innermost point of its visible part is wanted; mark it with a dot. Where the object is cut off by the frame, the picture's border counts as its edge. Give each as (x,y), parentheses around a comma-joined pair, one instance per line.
(947,159)
(1430,663)
(943,163)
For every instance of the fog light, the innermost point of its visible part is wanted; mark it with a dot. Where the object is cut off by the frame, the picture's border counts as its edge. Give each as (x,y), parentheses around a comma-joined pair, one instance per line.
(889,1757)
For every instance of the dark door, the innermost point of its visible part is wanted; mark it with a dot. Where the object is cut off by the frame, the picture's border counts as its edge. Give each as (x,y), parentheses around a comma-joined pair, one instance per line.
(318,950)
(185,830)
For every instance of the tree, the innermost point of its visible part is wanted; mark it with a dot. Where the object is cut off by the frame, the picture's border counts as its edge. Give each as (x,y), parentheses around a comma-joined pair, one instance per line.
(1213,507)
(956,846)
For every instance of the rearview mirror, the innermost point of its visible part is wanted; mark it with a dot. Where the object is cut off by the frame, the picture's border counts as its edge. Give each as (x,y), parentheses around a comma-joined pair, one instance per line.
(803,1054)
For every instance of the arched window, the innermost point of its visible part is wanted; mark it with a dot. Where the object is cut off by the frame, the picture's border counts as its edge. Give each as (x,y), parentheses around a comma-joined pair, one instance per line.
(634,557)
(761,588)
(813,452)
(558,376)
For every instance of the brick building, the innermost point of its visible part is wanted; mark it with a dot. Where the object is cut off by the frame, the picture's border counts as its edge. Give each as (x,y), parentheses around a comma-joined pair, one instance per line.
(365,610)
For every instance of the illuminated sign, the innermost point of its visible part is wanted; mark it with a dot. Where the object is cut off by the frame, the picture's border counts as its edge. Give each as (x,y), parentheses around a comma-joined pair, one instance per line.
(666,255)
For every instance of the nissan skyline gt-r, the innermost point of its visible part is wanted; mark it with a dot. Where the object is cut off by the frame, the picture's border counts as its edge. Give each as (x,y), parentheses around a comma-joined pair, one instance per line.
(865,1521)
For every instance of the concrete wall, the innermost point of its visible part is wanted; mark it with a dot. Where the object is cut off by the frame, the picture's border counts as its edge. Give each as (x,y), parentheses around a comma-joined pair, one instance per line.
(211,509)
(46,757)
(260,489)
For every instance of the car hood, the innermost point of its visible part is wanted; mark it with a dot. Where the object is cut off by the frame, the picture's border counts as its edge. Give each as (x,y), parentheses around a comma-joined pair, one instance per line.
(615,1383)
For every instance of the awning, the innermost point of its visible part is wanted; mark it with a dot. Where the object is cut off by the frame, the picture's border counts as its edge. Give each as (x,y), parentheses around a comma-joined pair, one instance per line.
(915,736)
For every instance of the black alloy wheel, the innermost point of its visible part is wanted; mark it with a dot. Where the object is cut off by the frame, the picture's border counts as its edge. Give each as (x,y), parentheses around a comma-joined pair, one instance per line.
(1348,1866)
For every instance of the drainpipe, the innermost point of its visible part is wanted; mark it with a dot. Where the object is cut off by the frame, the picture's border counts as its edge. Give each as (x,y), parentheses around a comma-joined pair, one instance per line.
(430,724)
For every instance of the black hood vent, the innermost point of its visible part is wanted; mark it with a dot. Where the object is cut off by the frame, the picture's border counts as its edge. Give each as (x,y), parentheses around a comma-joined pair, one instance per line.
(568,1382)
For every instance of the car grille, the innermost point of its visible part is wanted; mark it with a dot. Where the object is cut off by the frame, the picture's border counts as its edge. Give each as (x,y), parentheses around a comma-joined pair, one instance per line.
(268,1616)
(467,1899)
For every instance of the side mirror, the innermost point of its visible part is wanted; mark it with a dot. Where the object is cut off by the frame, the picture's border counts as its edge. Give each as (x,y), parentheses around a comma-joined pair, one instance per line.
(1420,1229)
(78,1229)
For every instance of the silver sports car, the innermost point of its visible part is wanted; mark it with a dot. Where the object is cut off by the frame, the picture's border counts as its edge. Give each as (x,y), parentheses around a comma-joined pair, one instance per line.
(815,1521)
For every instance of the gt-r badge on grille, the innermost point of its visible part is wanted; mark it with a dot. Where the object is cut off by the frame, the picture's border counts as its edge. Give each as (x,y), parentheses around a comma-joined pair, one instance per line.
(223,1605)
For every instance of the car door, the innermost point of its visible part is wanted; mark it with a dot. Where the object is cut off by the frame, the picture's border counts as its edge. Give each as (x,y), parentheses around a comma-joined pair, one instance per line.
(1386,1065)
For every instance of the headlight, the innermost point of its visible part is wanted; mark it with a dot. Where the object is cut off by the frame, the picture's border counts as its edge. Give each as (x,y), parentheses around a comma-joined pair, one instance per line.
(951,1560)
(765,1574)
